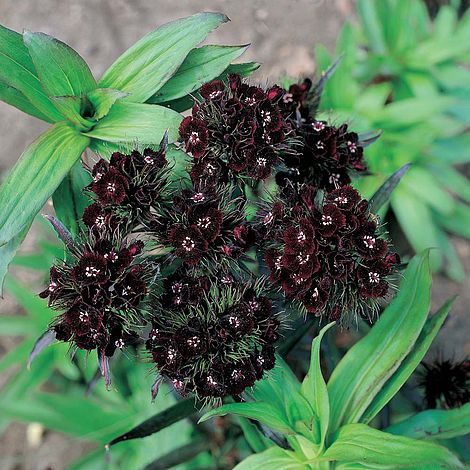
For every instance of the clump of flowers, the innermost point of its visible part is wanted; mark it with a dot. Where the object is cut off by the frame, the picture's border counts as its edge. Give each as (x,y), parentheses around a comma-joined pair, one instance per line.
(327,155)
(236,130)
(214,319)
(205,229)
(325,251)
(101,291)
(213,341)
(446,384)
(128,189)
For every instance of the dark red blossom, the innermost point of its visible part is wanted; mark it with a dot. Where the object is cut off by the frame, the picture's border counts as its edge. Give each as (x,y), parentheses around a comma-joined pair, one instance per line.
(91,269)
(111,188)
(188,242)
(195,136)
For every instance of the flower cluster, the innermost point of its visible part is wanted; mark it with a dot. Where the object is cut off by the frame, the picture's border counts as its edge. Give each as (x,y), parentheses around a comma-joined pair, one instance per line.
(213,341)
(127,188)
(205,228)
(101,291)
(326,251)
(329,156)
(236,129)
(326,155)
(446,384)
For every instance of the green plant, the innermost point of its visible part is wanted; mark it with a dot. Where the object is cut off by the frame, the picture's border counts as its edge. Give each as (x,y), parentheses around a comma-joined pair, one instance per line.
(44,77)
(327,425)
(408,76)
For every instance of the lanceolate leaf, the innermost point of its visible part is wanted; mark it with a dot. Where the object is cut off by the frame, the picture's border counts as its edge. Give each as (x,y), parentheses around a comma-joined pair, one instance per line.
(314,386)
(144,68)
(273,458)
(15,98)
(382,195)
(42,342)
(200,66)
(36,175)
(17,70)
(61,69)
(7,253)
(411,362)
(69,200)
(435,424)
(137,123)
(368,365)
(174,413)
(358,443)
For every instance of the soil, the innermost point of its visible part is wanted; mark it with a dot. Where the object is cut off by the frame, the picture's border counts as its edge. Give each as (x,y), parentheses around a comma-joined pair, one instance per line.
(283,34)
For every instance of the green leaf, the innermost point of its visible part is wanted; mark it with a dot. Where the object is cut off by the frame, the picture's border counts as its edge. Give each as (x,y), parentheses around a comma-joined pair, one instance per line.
(452,179)
(36,175)
(8,251)
(102,100)
(200,66)
(426,188)
(458,222)
(182,409)
(137,123)
(261,411)
(253,436)
(358,443)
(69,107)
(382,195)
(435,424)
(61,69)
(367,366)
(452,150)
(417,223)
(15,98)
(69,200)
(410,363)
(144,68)
(367,10)
(314,387)
(17,70)
(273,458)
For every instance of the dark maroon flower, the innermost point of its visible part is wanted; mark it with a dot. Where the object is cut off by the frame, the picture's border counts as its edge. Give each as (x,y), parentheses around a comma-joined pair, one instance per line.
(55,285)
(261,163)
(195,135)
(213,90)
(111,188)
(331,220)
(346,198)
(315,299)
(189,243)
(300,238)
(368,244)
(372,279)
(446,384)
(91,269)
(207,220)
(96,217)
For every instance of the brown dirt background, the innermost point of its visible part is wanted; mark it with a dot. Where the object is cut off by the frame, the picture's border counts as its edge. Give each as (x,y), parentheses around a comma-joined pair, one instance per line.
(282,34)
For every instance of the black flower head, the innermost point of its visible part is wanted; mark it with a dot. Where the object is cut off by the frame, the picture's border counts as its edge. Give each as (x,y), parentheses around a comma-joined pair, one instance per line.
(326,253)
(188,242)
(111,188)
(195,136)
(237,130)
(218,346)
(446,384)
(101,289)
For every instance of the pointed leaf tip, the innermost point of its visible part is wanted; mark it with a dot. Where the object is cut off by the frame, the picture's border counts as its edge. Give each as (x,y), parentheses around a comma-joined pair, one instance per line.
(382,195)
(61,231)
(42,342)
